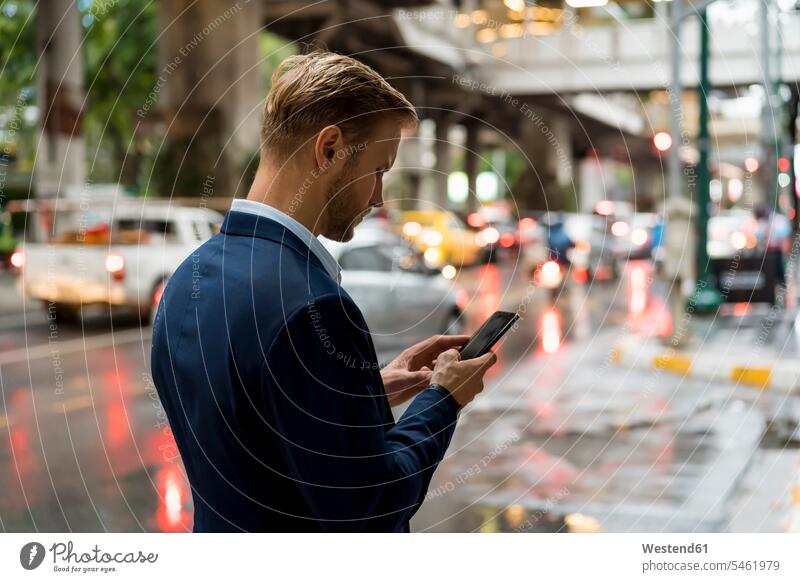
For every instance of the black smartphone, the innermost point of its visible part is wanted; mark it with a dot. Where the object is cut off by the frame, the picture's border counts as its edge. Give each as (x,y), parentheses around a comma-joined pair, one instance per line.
(488,334)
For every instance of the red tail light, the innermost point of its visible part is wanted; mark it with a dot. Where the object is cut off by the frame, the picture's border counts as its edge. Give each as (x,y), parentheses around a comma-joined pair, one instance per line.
(476,220)
(507,240)
(157,294)
(17,259)
(115,265)
(462,299)
(551,331)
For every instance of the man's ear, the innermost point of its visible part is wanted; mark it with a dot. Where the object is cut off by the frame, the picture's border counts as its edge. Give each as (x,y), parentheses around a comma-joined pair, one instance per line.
(327,146)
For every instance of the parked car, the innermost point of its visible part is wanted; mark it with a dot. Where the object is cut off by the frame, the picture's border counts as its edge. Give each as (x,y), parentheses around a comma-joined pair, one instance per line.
(120,255)
(442,237)
(403,300)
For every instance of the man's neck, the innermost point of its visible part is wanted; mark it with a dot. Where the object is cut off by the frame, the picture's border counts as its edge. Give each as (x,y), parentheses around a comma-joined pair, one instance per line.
(285,197)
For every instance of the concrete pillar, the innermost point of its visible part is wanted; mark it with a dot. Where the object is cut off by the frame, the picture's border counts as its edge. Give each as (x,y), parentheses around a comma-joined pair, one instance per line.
(60,153)
(471,161)
(425,195)
(210,92)
(408,176)
(442,169)
(402,184)
(546,141)
(563,156)
(594,180)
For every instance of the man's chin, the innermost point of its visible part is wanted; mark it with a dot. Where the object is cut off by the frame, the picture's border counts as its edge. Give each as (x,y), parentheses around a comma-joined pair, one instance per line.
(346,235)
(341,237)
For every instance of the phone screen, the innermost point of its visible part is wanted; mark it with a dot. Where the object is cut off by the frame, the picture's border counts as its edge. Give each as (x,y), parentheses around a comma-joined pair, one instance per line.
(488,334)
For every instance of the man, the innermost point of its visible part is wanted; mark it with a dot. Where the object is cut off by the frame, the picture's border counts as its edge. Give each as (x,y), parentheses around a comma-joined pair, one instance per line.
(264,364)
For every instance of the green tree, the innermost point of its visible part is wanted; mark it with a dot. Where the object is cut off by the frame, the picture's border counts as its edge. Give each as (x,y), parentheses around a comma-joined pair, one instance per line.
(17,53)
(120,60)
(17,95)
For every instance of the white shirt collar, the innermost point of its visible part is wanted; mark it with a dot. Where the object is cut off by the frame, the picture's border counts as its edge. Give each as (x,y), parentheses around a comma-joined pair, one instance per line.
(305,235)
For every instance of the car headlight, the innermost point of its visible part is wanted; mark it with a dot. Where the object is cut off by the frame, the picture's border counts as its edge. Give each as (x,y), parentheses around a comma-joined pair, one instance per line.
(491,235)
(738,240)
(639,236)
(412,229)
(432,238)
(433,255)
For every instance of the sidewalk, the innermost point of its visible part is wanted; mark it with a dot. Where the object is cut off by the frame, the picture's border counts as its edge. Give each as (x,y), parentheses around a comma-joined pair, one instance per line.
(741,358)
(755,346)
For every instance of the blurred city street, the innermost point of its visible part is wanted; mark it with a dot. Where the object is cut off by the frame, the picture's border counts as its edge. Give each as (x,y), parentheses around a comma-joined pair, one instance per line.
(563,439)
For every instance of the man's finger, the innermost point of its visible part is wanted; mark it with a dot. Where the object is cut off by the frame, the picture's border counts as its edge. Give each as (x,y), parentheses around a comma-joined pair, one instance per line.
(449,356)
(450,341)
(485,361)
(440,343)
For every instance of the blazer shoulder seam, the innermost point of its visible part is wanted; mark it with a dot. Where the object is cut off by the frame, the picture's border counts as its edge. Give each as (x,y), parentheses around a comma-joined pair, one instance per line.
(307,256)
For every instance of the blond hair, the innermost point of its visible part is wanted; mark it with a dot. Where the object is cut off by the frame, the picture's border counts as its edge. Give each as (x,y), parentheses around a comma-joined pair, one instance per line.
(318,89)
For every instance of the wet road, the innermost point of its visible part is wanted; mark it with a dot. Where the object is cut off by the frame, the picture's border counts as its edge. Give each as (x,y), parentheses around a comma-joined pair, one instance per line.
(562,440)
(85,446)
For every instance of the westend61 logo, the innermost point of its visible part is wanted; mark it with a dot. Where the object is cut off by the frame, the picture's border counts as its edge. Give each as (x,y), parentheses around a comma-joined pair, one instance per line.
(66,559)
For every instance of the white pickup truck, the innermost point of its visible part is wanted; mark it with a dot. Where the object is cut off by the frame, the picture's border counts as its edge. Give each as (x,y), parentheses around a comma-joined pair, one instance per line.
(115,255)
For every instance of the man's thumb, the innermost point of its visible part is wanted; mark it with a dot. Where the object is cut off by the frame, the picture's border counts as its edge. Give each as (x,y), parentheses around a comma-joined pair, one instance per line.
(486,360)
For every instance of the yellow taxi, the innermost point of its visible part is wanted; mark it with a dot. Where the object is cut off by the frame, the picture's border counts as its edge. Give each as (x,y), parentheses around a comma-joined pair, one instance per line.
(442,237)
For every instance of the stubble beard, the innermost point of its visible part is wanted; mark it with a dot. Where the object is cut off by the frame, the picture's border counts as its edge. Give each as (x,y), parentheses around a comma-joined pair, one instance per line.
(342,220)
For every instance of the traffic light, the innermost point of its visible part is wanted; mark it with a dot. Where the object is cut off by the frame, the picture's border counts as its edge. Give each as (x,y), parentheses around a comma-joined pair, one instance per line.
(784,179)
(662,141)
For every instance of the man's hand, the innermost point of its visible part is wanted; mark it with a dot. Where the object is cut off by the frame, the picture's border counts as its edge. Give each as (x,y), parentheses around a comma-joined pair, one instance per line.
(463,379)
(410,372)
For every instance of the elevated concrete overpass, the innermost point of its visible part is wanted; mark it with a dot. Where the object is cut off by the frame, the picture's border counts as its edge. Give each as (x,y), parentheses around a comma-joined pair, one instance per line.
(634,56)
(630,56)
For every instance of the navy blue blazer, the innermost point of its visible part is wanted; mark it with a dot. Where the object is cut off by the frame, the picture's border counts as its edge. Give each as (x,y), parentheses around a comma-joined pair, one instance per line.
(269,378)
